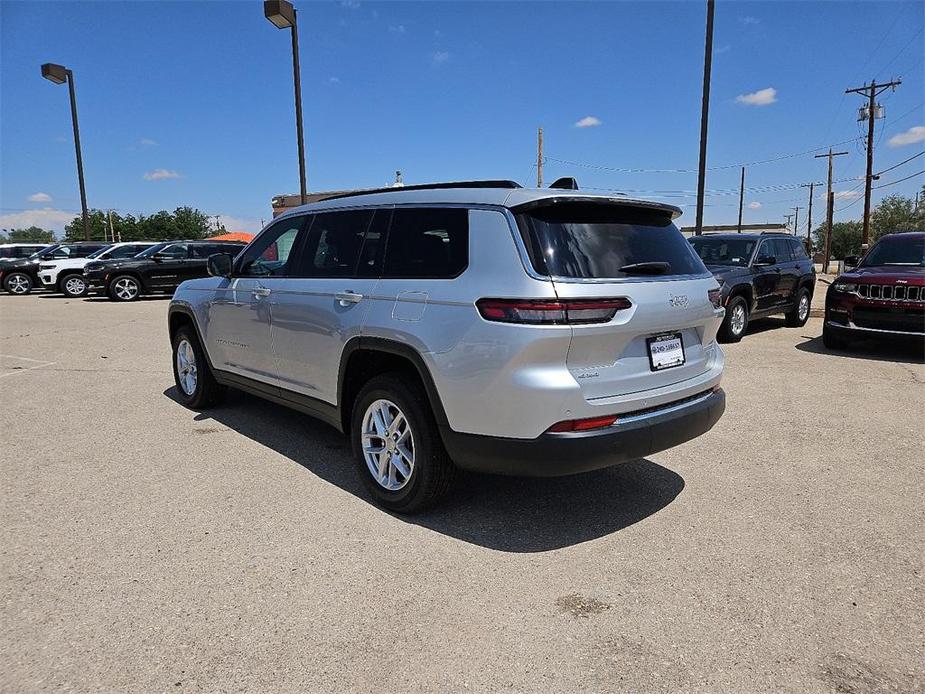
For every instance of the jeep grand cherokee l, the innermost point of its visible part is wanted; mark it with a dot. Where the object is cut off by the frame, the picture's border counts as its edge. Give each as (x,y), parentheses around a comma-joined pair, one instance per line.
(883,297)
(21,276)
(479,325)
(157,270)
(760,275)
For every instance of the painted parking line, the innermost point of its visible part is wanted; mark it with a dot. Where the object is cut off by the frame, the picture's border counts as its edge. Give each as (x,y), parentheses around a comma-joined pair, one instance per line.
(34,364)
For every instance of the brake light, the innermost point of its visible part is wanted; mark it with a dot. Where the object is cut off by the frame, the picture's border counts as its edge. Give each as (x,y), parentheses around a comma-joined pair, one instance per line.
(716,297)
(583,424)
(551,311)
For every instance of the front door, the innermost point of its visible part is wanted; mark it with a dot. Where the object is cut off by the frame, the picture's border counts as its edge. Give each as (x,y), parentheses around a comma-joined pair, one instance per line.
(168,267)
(766,276)
(326,299)
(238,330)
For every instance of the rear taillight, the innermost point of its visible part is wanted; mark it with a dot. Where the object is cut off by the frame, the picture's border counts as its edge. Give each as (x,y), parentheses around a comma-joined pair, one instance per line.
(583,424)
(551,311)
(716,297)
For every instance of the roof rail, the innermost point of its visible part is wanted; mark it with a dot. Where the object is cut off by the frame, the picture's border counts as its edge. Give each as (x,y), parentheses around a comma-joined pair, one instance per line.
(429,186)
(782,231)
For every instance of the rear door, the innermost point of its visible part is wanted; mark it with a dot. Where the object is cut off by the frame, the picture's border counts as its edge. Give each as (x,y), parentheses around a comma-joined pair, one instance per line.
(325,300)
(789,270)
(596,251)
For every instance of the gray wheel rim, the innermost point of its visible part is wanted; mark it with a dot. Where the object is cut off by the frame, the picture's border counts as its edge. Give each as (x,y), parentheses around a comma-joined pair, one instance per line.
(803,310)
(388,445)
(186,367)
(75,285)
(126,288)
(737,320)
(18,284)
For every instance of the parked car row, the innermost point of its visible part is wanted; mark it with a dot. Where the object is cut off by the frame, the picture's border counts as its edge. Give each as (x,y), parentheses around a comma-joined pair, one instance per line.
(121,271)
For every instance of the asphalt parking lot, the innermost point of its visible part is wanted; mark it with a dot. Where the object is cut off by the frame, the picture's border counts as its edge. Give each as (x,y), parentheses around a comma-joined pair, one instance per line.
(147,548)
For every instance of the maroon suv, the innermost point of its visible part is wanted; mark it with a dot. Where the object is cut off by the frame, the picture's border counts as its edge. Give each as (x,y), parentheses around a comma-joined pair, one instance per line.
(884,296)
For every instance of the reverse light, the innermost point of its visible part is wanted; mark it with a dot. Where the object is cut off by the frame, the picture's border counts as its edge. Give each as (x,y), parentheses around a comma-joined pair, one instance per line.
(551,311)
(716,297)
(582,424)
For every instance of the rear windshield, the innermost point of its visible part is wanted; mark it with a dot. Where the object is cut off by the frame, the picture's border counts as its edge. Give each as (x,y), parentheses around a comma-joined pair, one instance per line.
(594,241)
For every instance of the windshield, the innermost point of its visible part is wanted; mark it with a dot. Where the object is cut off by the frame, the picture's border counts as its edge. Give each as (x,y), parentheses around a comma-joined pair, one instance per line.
(596,241)
(43,251)
(97,254)
(713,251)
(148,252)
(897,249)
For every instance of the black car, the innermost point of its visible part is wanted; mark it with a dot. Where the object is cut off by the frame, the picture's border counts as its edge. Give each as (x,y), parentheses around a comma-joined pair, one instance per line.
(759,275)
(21,276)
(157,270)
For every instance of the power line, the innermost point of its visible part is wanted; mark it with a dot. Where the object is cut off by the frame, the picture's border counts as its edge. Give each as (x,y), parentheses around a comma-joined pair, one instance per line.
(901,51)
(893,183)
(904,161)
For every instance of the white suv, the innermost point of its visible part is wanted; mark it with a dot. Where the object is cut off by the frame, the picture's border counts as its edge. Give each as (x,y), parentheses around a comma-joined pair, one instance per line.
(66,276)
(475,325)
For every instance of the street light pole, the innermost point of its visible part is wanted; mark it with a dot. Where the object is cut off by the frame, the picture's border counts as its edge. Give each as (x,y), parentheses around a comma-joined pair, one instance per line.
(283,15)
(59,75)
(704,117)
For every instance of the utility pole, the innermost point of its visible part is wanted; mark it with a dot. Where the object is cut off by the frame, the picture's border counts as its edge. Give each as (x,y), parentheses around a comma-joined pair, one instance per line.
(829,197)
(741,200)
(871,91)
(788,218)
(539,158)
(704,116)
(796,219)
(809,222)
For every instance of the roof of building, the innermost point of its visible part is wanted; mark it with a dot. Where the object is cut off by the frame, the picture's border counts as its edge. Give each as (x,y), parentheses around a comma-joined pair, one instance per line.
(471,193)
(233,236)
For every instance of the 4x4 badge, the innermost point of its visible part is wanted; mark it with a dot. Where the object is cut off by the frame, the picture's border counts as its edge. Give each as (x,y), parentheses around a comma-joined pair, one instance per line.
(678,300)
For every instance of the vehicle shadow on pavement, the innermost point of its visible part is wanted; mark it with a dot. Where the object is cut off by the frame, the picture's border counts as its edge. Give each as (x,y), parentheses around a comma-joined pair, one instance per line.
(905,352)
(504,513)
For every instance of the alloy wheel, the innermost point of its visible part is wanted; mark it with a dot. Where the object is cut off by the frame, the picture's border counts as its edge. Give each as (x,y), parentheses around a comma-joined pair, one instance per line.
(126,289)
(388,445)
(803,310)
(737,321)
(75,286)
(17,284)
(187,374)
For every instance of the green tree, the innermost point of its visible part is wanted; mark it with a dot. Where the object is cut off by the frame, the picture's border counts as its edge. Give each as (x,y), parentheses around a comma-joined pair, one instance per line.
(32,234)
(182,223)
(896,213)
(846,238)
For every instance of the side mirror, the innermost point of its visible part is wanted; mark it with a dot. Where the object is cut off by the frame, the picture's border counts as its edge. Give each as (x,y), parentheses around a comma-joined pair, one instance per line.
(219,264)
(852,261)
(765,260)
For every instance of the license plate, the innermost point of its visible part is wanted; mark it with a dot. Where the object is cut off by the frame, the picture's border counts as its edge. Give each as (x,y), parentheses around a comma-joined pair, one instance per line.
(665,351)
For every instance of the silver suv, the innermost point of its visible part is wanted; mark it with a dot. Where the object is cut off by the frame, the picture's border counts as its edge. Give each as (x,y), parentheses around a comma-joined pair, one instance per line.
(476,325)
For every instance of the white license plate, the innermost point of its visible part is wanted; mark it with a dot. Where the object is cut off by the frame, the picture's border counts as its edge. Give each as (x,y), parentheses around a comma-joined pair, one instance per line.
(665,351)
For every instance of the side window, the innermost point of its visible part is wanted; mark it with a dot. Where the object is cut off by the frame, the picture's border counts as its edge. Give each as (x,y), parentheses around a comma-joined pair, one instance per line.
(782,250)
(427,243)
(124,252)
(268,255)
(374,245)
(797,249)
(332,248)
(175,251)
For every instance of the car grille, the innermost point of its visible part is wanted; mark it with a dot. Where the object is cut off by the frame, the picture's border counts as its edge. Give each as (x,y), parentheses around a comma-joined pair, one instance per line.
(891,292)
(886,318)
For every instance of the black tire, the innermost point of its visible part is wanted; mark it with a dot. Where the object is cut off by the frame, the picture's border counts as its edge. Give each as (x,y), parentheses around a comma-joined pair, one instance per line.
(432,471)
(207,391)
(832,340)
(117,284)
(794,319)
(73,286)
(18,283)
(728,331)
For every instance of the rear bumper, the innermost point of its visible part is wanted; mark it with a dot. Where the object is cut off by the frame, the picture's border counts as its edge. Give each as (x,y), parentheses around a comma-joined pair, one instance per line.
(552,455)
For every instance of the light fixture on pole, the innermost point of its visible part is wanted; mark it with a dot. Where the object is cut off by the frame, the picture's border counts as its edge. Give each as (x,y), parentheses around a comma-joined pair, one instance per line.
(283,16)
(59,75)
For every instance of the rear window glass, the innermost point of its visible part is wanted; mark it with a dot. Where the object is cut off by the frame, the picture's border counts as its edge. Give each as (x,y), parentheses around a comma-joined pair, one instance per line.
(594,241)
(427,243)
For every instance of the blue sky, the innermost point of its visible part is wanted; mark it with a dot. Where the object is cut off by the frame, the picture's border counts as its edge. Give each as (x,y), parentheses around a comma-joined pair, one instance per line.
(190,103)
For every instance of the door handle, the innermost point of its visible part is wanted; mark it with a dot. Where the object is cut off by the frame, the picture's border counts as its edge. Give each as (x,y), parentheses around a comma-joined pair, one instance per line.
(348,297)
(261,291)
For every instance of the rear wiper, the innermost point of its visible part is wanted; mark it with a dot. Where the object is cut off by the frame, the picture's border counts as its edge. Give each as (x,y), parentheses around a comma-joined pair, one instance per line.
(650,268)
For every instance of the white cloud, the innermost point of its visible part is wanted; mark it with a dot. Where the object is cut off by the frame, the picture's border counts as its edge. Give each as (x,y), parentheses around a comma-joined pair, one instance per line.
(846,194)
(46,219)
(588,122)
(350,4)
(441,57)
(750,20)
(754,205)
(160,175)
(397,28)
(910,137)
(232,223)
(723,49)
(762,97)
(147,142)
(334,80)
(39,197)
